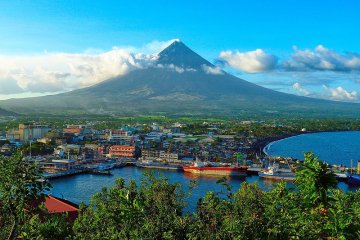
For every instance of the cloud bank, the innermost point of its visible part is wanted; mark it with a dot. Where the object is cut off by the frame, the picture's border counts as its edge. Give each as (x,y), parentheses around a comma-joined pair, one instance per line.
(250,62)
(319,59)
(322,59)
(60,72)
(341,94)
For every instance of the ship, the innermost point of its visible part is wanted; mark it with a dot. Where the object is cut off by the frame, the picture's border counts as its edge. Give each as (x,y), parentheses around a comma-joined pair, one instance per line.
(157,165)
(274,172)
(210,169)
(353,179)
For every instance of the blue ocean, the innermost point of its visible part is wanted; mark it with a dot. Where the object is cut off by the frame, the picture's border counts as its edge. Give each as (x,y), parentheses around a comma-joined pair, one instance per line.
(338,148)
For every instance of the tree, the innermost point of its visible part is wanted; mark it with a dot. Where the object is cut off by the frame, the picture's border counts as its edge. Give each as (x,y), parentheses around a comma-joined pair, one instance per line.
(151,211)
(20,188)
(316,181)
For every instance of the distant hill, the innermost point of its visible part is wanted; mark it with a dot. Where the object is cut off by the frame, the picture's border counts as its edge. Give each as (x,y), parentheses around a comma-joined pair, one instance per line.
(180,82)
(5,113)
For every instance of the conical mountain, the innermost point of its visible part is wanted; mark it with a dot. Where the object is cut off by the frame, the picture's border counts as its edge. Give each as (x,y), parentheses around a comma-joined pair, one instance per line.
(179,82)
(180,55)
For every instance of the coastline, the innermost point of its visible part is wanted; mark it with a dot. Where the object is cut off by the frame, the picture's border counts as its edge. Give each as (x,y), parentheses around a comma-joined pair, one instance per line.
(260,145)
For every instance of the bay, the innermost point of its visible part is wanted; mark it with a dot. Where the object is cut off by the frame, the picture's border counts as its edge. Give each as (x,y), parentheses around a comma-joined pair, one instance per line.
(332,147)
(80,188)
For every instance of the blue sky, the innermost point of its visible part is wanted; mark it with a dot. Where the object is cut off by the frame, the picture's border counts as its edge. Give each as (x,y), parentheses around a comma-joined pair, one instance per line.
(328,30)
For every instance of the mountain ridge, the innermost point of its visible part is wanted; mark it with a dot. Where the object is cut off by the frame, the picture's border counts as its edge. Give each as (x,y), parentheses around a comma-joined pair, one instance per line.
(178,83)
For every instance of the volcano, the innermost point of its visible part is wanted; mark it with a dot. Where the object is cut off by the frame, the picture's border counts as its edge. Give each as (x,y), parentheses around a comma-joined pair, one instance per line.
(179,82)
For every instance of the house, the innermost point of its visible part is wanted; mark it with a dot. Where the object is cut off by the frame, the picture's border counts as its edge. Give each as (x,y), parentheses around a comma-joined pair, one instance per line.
(56,205)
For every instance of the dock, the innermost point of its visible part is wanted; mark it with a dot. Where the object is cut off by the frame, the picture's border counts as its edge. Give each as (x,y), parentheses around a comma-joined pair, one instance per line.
(64,173)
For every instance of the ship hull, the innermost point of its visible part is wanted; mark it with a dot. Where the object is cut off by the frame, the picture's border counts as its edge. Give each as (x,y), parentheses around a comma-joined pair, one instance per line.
(287,177)
(221,171)
(353,180)
(160,167)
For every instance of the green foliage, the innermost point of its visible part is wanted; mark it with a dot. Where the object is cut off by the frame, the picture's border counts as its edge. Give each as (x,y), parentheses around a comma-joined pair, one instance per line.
(47,227)
(19,188)
(314,209)
(316,181)
(151,211)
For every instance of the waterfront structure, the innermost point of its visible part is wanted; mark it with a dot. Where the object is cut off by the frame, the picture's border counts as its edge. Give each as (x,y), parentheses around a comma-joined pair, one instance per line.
(58,165)
(122,151)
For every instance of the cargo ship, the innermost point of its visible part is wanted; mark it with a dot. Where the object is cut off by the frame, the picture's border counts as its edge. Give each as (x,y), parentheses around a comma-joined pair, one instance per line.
(209,169)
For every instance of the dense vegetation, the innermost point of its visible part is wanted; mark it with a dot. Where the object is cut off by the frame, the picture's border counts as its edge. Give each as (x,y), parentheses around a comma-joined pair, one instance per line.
(257,127)
(314,209)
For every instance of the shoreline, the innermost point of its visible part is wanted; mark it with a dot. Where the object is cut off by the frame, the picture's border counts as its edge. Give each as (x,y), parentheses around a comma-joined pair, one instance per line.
(260,145)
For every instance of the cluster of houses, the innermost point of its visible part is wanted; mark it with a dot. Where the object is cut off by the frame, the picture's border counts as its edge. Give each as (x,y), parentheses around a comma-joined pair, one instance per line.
(79,144)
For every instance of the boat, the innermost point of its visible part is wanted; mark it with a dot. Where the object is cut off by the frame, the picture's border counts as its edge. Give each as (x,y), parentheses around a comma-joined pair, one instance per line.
(274,172)
(210,169)
(101,172)
(353,179)
(341,176)
(105,167)
(158,166)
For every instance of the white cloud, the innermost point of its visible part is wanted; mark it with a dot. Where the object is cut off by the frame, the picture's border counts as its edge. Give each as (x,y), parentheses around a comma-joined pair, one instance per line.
(51,72)
(250,62)
(60,72)
(340,93)
(297,86)
(322,59)
(175,68)
(212,70)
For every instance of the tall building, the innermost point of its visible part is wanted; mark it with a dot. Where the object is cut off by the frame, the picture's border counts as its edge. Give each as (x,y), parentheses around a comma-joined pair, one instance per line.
(29,131)
(122,151)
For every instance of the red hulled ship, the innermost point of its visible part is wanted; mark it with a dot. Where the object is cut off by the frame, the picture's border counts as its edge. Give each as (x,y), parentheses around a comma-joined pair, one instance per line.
(208,169)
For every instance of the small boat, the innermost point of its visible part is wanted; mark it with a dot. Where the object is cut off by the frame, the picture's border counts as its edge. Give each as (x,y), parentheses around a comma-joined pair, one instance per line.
(341,176)
(353,179)
(275,173)
(101,172)
(105,167)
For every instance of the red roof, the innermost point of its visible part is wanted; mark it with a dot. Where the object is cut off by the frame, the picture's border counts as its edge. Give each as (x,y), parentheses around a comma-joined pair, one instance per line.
(57,205)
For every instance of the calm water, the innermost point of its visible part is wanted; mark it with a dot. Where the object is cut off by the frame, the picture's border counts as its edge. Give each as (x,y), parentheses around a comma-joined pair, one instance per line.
(80,188)
(332,147)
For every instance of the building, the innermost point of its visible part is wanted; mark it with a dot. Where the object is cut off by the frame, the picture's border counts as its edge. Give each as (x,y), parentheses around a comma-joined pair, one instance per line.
(169,157)
(150,154)
(30,131)
(55,205)
(122,151)
(58,165)
(120,137)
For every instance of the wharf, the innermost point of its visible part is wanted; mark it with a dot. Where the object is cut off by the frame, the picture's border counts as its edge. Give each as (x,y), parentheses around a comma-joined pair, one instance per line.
(64,173)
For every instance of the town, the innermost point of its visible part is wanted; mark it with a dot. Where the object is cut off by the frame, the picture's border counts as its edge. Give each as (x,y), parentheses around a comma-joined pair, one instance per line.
(79,147)
(69,149)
